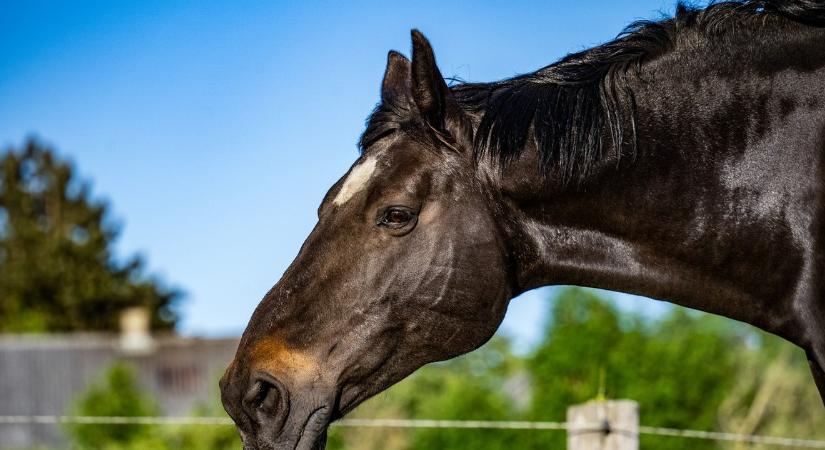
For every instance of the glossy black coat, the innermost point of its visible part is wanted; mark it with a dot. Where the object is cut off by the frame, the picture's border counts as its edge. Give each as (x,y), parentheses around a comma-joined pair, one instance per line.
(682,161)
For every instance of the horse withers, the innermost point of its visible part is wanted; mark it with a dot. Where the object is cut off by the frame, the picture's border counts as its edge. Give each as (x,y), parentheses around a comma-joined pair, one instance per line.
(681,161)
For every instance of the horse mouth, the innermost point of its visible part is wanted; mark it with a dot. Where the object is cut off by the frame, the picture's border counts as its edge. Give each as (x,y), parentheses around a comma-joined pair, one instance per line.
(314,434)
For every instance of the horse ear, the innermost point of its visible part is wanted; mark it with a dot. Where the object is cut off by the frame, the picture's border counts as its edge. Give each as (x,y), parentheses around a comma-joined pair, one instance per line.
(434,99)
(396,84)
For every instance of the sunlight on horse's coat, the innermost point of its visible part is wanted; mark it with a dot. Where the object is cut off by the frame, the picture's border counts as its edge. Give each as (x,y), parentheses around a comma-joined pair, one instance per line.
(674,162)
(356,181)
(275,357)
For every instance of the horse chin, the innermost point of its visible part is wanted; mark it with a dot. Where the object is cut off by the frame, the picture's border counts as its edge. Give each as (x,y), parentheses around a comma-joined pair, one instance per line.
(314,436)
(319,443)
(310,440)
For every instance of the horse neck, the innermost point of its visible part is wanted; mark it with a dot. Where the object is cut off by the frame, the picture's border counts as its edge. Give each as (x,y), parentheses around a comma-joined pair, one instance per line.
(665,224)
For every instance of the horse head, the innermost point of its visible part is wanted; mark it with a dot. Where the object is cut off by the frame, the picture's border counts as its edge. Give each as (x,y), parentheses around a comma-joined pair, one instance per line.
(406,265)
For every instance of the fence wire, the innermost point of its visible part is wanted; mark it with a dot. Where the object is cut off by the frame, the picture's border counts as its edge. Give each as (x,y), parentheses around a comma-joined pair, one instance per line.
(422,423)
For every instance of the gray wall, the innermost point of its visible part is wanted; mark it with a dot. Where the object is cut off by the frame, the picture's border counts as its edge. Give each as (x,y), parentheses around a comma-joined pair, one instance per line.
(40,375)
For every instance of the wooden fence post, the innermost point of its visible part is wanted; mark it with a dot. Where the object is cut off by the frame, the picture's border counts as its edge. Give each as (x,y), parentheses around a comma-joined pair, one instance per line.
(603,425)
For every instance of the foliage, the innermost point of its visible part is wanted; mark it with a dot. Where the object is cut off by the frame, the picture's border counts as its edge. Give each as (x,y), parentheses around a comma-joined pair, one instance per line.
(678,368)
(116,393)
(774,395)
(203,437)
(686,370)
(473,387)
(57,271)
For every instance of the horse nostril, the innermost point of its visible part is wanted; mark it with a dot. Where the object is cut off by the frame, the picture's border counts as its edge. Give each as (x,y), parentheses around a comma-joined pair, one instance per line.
(267,400)
(267,396)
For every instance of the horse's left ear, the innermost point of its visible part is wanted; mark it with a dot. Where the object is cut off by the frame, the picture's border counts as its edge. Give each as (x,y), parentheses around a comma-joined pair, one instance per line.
(433,98)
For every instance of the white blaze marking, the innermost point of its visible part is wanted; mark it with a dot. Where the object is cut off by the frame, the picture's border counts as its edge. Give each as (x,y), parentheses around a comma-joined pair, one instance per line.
(356,181)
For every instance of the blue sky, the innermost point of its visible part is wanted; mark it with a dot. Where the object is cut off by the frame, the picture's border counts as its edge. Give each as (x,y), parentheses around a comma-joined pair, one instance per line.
(215,127)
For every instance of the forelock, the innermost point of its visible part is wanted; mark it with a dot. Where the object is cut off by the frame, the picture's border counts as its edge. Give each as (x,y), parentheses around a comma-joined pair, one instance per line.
(387,118)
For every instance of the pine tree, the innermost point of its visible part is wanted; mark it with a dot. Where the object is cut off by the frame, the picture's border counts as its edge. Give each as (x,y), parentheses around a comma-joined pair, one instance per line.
(57,270)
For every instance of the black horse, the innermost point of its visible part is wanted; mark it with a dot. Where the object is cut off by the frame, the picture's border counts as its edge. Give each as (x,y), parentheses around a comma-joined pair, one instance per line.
(685,160)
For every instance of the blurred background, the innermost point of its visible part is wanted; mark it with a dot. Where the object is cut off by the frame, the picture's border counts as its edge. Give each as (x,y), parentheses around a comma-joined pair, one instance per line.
(161,164)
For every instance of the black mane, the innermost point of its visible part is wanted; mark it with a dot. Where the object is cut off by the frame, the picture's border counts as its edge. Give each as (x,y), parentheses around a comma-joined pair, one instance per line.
(568,107)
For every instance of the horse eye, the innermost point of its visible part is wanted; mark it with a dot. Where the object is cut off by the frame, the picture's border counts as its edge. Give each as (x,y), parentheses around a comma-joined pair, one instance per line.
(396,217)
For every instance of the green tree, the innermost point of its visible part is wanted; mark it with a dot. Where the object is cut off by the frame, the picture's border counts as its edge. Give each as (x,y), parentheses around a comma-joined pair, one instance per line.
(206,437)
(115,394)
(774,395)
(686,369)
(57,271)
(476,386)
(679,368)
